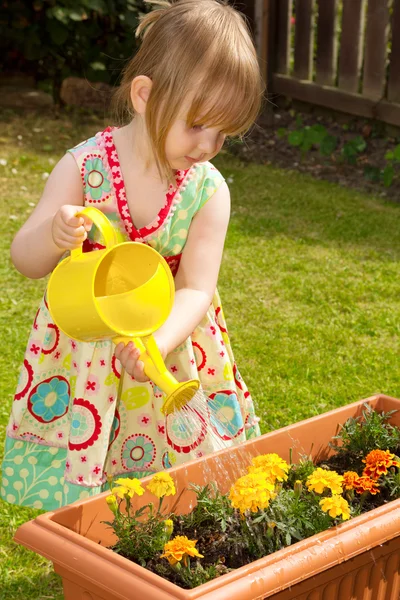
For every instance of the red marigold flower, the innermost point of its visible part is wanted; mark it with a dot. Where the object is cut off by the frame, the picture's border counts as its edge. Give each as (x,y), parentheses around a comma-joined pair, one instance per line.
(366,484)
(378,462)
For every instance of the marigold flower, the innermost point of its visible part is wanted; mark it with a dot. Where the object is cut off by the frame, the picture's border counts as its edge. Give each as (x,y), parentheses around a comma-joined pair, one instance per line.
(252,492)
(180,548)
(162,485)
(127,487)
(336,506)
(366,484)
(378,462)
(112,503)
(350,479)
(271,464)
(321,479)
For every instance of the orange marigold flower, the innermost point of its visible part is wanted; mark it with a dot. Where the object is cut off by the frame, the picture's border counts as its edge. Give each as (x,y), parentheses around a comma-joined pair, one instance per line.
(378,462)
(179,549)
(350,478)
(366,484)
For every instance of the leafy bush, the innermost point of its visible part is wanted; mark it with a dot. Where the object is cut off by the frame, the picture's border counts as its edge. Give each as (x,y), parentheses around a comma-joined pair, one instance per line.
(53,39)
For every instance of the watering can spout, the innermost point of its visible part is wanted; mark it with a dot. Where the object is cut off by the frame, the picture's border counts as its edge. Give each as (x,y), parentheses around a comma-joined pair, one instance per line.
(124,292)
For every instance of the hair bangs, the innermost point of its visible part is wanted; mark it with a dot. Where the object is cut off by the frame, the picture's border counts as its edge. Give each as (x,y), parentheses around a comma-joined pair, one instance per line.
(235,99)
(232,110)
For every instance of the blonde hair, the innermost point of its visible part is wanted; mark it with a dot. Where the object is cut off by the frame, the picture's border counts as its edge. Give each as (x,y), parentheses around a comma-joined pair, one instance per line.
(201,48)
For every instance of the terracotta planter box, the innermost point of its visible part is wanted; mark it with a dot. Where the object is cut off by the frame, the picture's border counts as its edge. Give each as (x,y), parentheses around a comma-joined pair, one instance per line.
(357,560)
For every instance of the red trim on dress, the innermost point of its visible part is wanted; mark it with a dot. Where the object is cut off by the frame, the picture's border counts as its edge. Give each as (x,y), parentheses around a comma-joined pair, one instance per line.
(120,192)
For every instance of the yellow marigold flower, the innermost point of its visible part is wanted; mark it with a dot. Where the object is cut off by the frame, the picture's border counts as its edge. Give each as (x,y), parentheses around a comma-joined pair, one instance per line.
(127,487)
(350,479)
(336,506)
(252,492)
(180,548)
(112,503)
(162,485)
(366,484)
(272,464)
(321,479)
(378,462)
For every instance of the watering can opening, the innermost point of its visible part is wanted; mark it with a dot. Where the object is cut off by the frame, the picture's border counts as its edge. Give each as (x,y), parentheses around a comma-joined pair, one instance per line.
(133,290)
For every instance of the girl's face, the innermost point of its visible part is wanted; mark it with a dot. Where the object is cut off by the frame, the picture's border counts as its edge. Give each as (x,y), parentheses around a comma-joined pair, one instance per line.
(187,145)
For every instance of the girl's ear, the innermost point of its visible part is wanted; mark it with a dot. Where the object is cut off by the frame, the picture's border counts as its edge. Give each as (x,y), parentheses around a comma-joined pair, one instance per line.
(140,92)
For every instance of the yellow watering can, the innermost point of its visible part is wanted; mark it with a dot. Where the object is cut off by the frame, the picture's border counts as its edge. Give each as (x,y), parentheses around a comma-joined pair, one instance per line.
(124,293)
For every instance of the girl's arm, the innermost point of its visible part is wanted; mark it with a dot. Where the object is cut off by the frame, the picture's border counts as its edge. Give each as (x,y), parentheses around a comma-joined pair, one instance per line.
(197,276)
(195,281)
(51,228)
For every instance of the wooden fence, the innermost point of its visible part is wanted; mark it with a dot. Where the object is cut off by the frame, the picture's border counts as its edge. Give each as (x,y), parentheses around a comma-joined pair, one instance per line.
(341,54)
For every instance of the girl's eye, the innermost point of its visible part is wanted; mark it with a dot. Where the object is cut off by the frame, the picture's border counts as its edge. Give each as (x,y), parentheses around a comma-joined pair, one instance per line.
(197,127)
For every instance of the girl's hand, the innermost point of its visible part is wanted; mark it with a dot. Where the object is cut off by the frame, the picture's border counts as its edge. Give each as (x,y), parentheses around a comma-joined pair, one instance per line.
(129,358)
(68,230)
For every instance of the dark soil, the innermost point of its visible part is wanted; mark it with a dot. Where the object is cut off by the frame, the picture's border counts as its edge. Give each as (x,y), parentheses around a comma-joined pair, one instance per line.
(268,144)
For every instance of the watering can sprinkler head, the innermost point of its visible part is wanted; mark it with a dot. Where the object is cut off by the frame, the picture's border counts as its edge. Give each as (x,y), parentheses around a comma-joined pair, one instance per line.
(180,397)
(124,292)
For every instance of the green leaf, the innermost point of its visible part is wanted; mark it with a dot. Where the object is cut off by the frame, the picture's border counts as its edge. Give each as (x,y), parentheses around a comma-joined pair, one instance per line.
(388,174)
(77,16)
(389,155)
(328,145)
(97,5)
(281,132)
(47,147)
(317,133)
(296,138)
(98,66)
(288,538)
(359,143)
(397,153)
(59,13)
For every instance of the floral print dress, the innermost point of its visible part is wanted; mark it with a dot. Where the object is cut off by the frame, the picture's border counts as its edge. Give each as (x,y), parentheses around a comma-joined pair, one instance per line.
(74,418)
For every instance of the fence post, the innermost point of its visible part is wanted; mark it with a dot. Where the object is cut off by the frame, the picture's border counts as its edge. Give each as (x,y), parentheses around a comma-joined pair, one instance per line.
(264,30)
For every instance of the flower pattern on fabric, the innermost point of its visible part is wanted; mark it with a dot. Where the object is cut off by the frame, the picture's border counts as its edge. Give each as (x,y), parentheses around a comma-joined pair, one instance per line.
(48,401)
(85,425)
(51,339)
(95,178)
(138,452)
(24,381)
(183,438)
(200,355)
(225,414)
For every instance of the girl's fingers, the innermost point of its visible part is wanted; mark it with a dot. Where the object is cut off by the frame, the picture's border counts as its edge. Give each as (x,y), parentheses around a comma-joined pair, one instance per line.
(129,358)
(69,242)
(77,231)
(73,220)
(139,373)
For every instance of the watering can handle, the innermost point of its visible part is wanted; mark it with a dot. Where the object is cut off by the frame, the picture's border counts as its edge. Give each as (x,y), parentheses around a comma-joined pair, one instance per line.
(102,223)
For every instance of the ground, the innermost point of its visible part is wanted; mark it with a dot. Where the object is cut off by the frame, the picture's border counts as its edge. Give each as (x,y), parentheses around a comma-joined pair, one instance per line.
(268,143)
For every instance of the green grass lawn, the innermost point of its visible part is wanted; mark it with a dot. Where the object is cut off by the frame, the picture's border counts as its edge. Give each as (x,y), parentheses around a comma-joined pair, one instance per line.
(309,284)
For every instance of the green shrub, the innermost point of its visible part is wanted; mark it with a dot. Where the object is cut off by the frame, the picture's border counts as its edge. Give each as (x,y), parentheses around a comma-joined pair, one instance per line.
(53,39)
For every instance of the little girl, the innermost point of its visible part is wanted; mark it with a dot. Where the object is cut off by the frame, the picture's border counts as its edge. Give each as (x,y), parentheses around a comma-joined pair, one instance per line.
(74,421)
